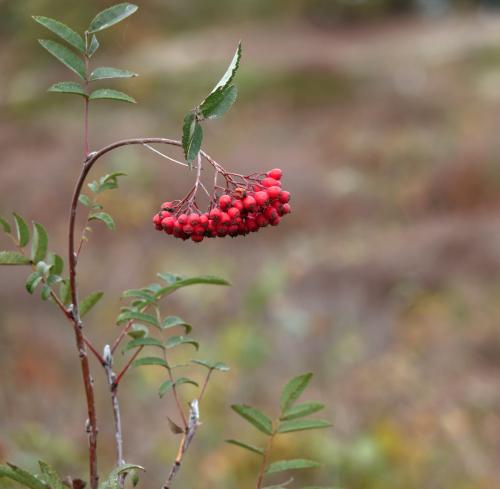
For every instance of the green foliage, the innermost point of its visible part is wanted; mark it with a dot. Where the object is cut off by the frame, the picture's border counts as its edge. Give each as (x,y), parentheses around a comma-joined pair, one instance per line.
(137,316)
(69,87)
(111,94)
(246,446)
(93,46)
(50,476)
(192,136)
(168,385)
(172,321)
(22,230)
(5,225)
(39,243)
(301,410)
(103,217)
(141,362)
(254,417)
(13,258)
(113,480)
(63,31)
(174,341)
(302,425)
(218,102)
(22,477)
(107,73)
(67,57)
(293,464)
(111,16)
(89,302)
(293,390)
(212,366)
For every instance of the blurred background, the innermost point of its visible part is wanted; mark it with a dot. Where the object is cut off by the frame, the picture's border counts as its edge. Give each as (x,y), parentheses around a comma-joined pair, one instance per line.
(385,280)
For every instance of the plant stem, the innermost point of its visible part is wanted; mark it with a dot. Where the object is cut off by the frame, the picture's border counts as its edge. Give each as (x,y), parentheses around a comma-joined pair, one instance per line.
(265,458)
(113,386)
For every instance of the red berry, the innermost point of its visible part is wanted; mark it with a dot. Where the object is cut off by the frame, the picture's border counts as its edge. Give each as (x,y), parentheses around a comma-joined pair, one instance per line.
(239,193)
(284,196)
(270,182)
(224,219)
(166,206)
(204,220)
(194,219)
(270,213)
(261,198)
(275,221)
(215,214)
(168,224)
(224,201)
(275,173)
(233,213)
(238,204)
(261,221)
(199,230)
(187,229)
(273,192)
(249,203)
(197,237)
(286,209)
(183,219)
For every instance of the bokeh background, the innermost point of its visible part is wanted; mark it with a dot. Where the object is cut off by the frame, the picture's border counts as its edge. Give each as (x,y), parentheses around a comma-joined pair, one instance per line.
(385,280)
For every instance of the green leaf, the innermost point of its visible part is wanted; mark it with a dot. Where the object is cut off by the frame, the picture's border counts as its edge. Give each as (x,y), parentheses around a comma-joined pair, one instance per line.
(105,72)
(51,476)
(184,282)
(22,477)
(302,424)
(172,321)
(5,225)
(83,199)
(57,263)
(293,464)
(13,258)
(138,331)
(141,362)
(192,136)
(46,291)
(89,302)
(63,31)
(147,341)
(33,281)
(39,243)
(111,16)
(22,230)
(142,294)
(231,70)
(108,93)
(212,366)
(170,278)
(65,56)
(293,390)
(280,486)
(301,410)
(255,417)
(110,181)
(105,218)
(251,448)
(43,268)
(174,341)
(114,479)
(137,316)
(67,87)
(65,292)
(93,47)
(219,102)
(168,384)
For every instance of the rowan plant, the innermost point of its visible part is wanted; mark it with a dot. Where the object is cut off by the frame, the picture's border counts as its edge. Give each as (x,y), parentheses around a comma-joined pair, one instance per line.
(235,206)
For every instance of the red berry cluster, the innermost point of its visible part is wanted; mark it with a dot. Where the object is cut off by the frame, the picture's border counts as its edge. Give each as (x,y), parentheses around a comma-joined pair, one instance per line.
(251,203)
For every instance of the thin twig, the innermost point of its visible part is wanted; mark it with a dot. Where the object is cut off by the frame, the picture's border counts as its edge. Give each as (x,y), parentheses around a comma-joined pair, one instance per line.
(194,422)
(159,153)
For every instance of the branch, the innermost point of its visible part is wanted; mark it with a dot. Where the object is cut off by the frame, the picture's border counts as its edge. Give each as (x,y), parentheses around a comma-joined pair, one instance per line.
(194,422)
